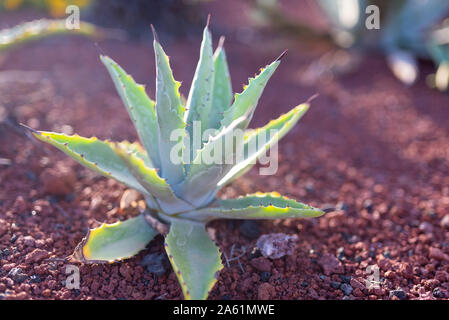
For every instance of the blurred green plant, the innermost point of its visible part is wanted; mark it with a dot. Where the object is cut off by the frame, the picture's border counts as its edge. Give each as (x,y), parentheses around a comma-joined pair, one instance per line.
(42,28)
(181,196)
(56,8)
(406,33)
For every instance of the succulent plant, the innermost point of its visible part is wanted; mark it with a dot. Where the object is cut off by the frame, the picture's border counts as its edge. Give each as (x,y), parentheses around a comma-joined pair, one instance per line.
(181,196)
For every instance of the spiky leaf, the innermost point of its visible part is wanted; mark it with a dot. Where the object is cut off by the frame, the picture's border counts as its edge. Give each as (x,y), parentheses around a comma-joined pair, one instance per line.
(113,242)
(222,94)
(170,113)
(150,180)
(194,256)
(246,102)
(211,164)
(281,125)
(93,153)
(256,206)
(140,107)
(199,101)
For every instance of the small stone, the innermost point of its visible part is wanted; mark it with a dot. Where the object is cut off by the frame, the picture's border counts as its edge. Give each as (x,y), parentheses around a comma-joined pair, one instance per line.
(35,278)
(426,227)
(445,222)
(36,255)
(266,292)
(304,284)
(250,229)
(14,238)
(156,263)
(254,253)
(129,202)
(368,205)
(345,279)
(20,205)
(4,227)
(265,276)
(46,293)
(59,180)
(357,284)
(341,253)
(437,254)
(28,241)
(335,284)
(17,275)
(437,293)
(399,293)
(330,264)
(442,276)
(261,264)
(276,245)
(406,270)
(346,289)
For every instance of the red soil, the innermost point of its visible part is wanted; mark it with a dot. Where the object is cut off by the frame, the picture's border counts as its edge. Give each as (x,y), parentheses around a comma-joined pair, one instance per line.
(370,146)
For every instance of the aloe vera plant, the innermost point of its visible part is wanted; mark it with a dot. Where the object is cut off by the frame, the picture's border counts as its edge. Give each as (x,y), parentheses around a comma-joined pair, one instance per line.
(181,197)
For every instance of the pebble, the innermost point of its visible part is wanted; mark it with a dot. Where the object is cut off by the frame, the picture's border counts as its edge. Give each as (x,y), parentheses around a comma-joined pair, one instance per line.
(129,201)
(17,275)
(156,263)
(346,289)
(36,255)
(330,264)
(265,276)
(426,227)
(261,264)
(276,245)
(368,205)
(266,291)
(437,254)
(345,279)
(445,222)
(4,227)
(35,278)
(357,284)
(250,229)
(437,293)
(59,180)
(399,293)
(335,284)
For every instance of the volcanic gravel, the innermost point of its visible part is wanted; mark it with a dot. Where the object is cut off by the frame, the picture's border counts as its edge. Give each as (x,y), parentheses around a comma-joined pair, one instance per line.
(373,149)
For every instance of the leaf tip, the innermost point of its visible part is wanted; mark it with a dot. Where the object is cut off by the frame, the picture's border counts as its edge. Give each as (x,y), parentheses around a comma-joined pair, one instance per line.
(208,20)
(282,55)
(154,33)
(29,128)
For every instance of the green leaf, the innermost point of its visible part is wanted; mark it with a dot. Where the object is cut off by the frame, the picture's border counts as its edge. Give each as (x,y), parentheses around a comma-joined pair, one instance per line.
(246,102)
(200,183)
(140,107)
(93,153)
(38,29)
(222,94)
(199,101)
(156,186)
(114,242)
(194,256)
(254,149)
(170,113)
(256,206)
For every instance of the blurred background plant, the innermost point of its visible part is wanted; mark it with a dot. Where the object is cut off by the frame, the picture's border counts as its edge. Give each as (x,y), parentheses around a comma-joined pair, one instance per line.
(409,30)
(173,17)
(56,8)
